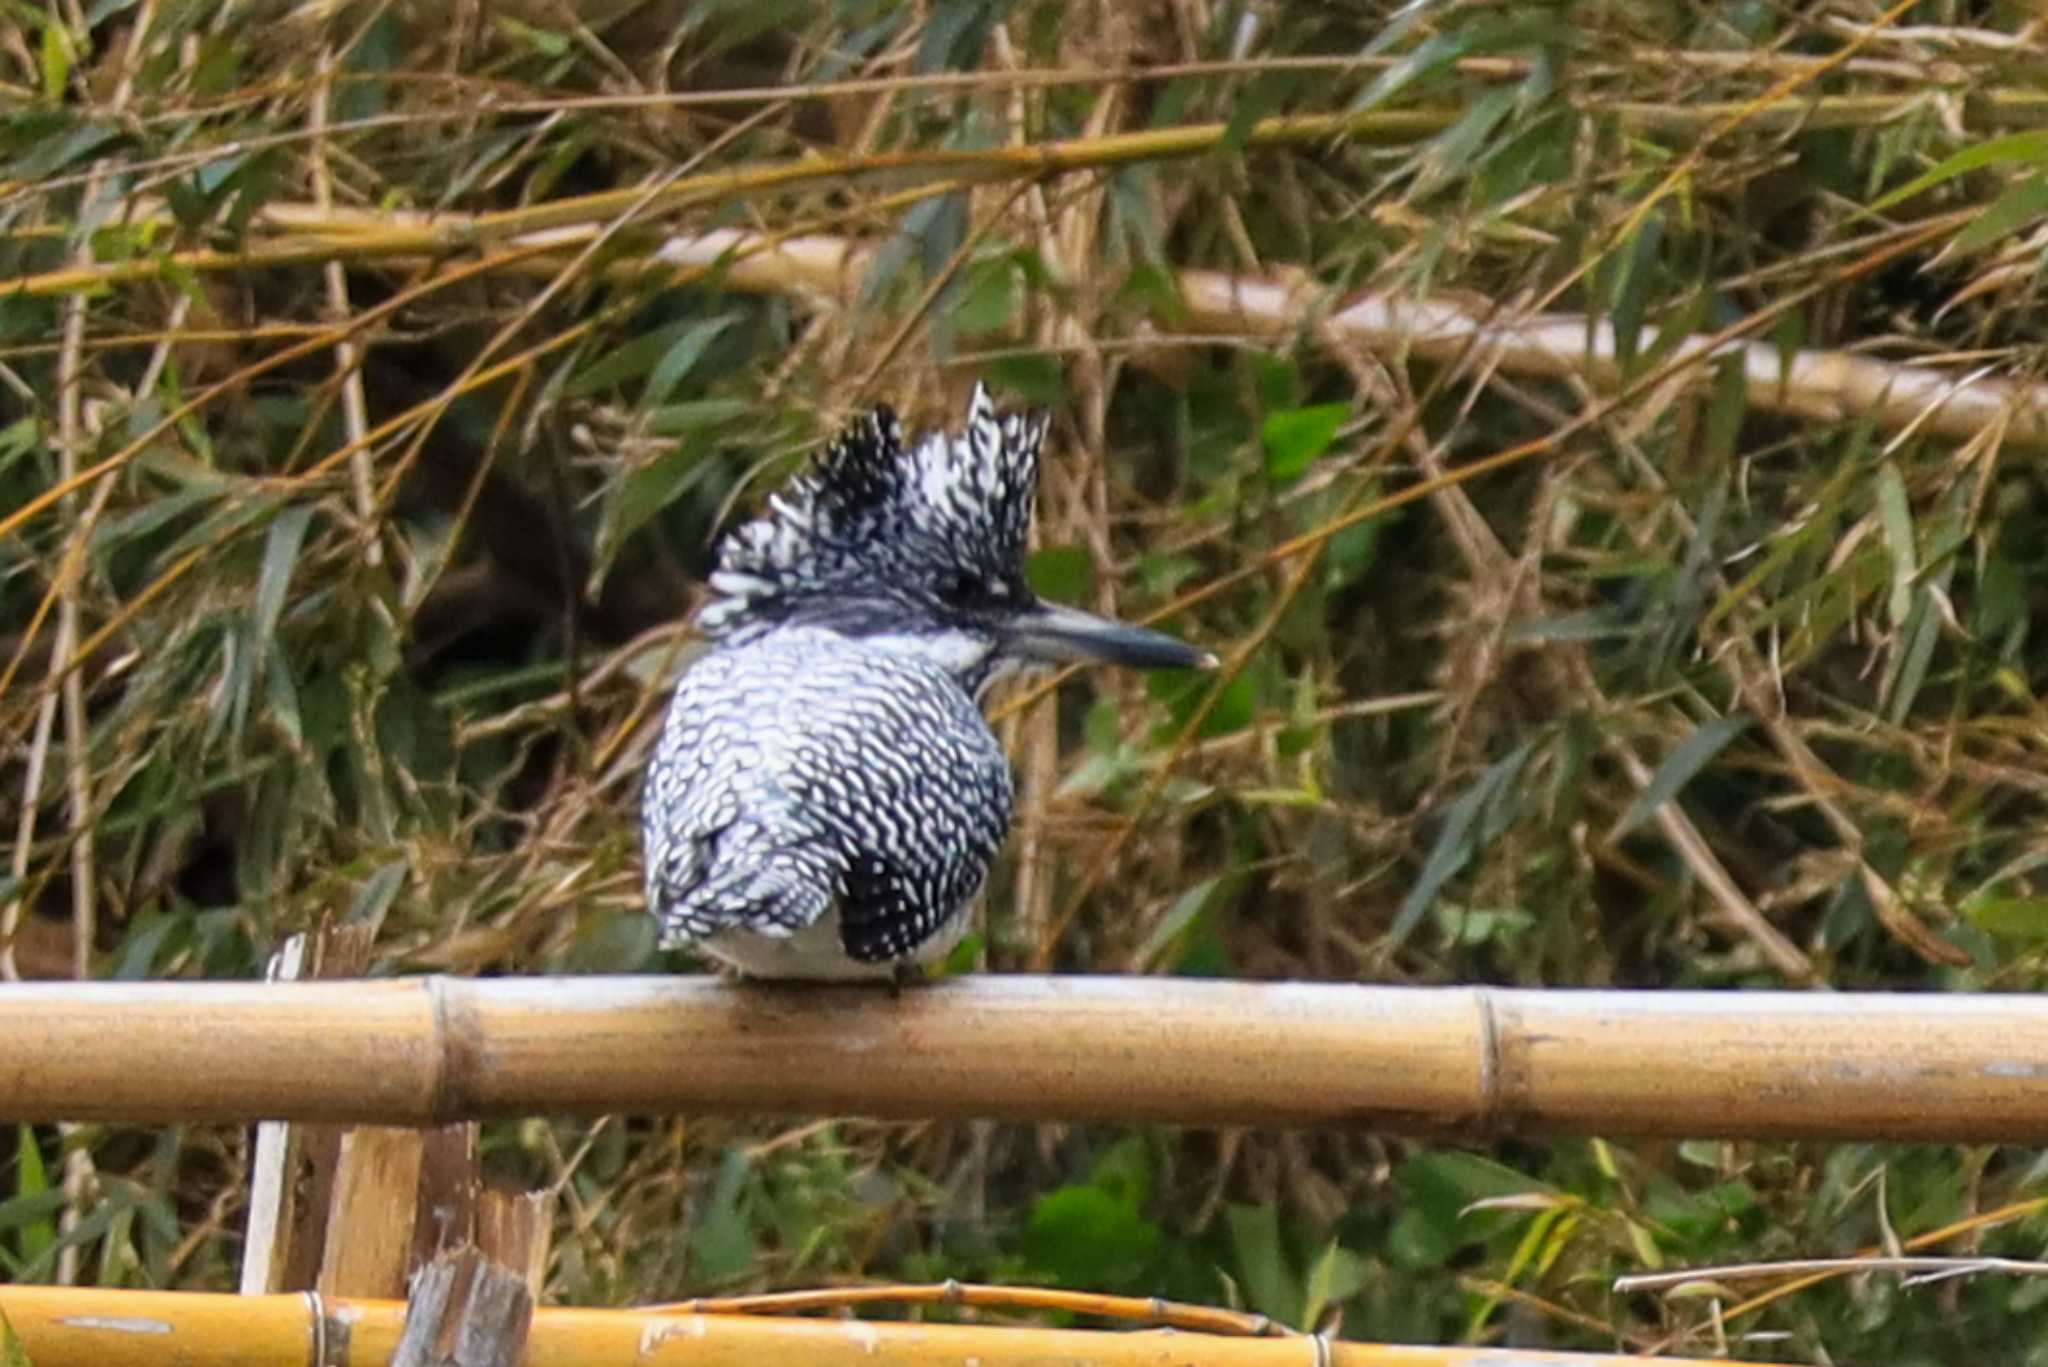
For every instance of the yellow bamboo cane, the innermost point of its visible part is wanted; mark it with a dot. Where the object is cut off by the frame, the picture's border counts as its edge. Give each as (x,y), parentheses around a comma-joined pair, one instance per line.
(69,1327)
(1463,1060)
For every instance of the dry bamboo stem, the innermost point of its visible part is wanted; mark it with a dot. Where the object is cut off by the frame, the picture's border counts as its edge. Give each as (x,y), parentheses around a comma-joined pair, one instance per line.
(1829,386)
(1470,1061)
(62,1327)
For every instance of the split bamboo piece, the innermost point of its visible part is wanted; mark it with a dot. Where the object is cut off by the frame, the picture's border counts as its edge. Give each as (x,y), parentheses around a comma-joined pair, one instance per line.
(1454,1060)
(70,1327)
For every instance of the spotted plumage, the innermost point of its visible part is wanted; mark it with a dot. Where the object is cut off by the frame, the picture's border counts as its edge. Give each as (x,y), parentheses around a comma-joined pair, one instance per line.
(825,798)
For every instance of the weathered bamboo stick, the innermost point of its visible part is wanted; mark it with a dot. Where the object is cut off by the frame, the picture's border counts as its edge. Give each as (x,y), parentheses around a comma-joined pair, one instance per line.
(74,1327)
(1471,1061)
(1827,385)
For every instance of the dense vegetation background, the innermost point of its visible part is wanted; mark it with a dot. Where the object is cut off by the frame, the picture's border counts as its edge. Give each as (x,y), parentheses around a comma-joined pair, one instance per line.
(378,538)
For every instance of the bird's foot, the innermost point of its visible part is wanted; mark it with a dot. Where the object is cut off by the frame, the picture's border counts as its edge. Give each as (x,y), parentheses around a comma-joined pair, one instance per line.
(905,975)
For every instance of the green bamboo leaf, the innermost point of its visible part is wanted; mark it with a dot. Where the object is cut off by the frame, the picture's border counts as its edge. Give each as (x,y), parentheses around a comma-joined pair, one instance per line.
(1634,266)
(682,356)
(1338,1275)
(1680,767)
(1897,516)
(379,890)
(2016,208)
(1269,1283)
(723,1245)
(2020,918)
(56,58)
(1089,1235)
(280,554)
(1909,664)
(2016,148)
(1294,437)
(664,354)
(32,1180)
(696,415)
(1451,153)
(1481,809)
(632,502)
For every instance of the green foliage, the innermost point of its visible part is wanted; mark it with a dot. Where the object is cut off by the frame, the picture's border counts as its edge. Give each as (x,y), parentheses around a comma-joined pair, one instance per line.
(376,633)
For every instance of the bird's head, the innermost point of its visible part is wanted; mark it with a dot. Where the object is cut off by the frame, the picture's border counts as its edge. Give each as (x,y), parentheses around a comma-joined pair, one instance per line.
(921,547)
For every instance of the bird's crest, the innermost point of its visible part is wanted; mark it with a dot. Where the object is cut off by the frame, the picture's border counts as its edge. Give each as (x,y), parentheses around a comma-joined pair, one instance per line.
(871,514)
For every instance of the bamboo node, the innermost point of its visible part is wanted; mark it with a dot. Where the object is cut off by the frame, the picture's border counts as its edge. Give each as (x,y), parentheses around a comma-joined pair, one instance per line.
(1488,1072)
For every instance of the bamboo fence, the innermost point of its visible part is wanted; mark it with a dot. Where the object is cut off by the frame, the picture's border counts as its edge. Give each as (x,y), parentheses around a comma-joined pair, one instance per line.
(1468,1061)
(65,1327)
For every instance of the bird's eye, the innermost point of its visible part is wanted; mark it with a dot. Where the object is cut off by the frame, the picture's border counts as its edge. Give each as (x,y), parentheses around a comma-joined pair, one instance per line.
(958,586)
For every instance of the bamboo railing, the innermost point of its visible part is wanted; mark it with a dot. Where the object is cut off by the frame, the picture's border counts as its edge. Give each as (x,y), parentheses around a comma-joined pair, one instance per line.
(66,1327)
(1453,1060)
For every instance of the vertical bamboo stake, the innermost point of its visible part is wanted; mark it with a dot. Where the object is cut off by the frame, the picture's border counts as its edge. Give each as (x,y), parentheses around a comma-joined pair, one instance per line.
(513,1228)
(370,1221)
(272,1166)
(292,1174)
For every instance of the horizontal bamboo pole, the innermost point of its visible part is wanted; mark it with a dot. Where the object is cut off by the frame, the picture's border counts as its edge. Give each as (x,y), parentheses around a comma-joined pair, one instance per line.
(72,1327)
(1459,1060)
(1831,386)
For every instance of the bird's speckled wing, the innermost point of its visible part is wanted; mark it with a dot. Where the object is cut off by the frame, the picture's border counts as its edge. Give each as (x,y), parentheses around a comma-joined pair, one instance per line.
(802,770)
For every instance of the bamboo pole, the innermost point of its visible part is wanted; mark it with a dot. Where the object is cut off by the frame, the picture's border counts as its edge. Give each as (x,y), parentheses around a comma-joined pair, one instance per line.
(1455,1060)
(1830,386)
(65,1327)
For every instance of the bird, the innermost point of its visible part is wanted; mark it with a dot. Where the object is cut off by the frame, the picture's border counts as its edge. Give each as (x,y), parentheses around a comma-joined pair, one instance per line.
(825,797)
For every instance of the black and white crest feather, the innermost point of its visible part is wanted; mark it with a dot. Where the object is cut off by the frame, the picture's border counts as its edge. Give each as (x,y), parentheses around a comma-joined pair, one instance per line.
(873,512)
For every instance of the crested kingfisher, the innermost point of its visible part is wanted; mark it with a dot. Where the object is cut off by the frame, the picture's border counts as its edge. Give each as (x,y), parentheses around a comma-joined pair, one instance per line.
(826,797)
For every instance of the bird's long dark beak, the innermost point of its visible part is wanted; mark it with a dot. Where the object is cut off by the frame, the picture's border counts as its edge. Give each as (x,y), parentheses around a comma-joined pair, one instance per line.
(1053,634)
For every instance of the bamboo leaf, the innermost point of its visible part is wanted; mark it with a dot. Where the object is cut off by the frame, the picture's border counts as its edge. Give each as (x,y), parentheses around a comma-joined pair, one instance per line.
(682,357)
(722,1246)
(56,58)
(1634,265)
(1922,632)
(280,554)
(378,891)
(638,498)
(2011,211)
(1480,807)
(32,1180)
(956,33)
(1089,1235)
(2022,918)
(1680,767)
(1269,1282)
(1897,519)
(1294,437)
(2027,148)
(1337,1276)
(666,353)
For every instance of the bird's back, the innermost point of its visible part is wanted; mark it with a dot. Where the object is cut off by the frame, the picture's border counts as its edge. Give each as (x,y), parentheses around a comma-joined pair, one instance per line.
(820,806)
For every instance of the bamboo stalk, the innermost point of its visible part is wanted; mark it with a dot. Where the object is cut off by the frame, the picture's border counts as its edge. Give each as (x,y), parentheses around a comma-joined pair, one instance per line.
(1467,1060)
(1830,386)
(63,1327)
